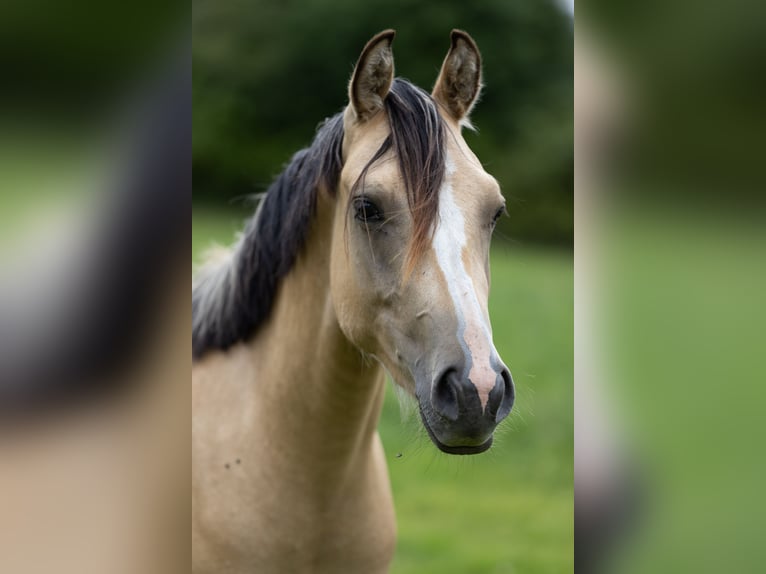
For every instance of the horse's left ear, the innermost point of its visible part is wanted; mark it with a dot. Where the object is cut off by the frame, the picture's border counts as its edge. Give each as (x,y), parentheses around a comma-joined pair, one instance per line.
(459,83)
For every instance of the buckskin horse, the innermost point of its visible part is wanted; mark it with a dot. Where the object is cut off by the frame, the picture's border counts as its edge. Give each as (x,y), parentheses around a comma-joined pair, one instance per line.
(369,253)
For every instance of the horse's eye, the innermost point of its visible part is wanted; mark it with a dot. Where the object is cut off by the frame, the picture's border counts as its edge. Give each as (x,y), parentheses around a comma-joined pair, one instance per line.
(366,211)
(500,212)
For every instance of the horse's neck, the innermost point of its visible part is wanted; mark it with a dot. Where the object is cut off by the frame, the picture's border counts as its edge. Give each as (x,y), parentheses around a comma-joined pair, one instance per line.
(320,397)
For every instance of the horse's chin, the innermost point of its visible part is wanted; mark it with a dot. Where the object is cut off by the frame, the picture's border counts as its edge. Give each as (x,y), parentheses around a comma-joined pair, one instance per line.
(455,449)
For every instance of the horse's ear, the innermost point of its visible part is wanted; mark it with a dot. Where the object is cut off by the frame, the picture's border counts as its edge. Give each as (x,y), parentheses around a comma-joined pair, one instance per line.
(459,83)
(372,76)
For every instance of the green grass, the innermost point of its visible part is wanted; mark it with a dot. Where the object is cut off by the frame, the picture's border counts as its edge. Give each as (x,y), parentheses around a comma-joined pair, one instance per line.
(509,510)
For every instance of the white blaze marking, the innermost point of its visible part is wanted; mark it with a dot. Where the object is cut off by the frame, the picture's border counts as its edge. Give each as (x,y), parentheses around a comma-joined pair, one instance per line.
(473,331)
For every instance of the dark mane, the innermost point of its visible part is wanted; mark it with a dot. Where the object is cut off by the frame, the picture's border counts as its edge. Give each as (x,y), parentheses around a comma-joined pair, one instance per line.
(232,300)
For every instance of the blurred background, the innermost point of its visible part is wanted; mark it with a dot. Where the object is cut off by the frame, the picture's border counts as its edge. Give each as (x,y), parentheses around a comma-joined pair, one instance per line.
(670,285)
(95,201)
(265,74)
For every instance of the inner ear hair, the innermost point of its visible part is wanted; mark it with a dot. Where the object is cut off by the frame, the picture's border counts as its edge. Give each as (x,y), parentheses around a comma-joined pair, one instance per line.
(373,75)
(459,83)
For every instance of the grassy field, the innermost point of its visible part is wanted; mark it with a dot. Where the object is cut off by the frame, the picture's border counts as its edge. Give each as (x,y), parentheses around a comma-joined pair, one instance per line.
(509,510)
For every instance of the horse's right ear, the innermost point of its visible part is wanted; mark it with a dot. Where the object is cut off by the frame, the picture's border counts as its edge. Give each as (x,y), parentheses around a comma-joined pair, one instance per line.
(372,76)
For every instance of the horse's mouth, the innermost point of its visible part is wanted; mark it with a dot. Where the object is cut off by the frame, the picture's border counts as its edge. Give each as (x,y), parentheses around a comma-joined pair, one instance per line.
(461,449)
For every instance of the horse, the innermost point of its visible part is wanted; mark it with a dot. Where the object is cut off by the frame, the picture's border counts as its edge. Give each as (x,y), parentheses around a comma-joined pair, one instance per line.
(369,253)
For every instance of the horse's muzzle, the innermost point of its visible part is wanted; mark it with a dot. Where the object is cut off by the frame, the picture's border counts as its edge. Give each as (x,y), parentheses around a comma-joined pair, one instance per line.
(454,417)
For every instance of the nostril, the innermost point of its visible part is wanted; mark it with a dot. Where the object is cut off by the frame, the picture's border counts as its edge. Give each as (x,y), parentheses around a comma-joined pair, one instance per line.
(505,381)
(444,395)
(496,396)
